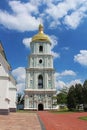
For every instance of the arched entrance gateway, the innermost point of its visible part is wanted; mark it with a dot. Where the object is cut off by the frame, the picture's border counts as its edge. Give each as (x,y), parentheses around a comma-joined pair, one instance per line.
(40,107)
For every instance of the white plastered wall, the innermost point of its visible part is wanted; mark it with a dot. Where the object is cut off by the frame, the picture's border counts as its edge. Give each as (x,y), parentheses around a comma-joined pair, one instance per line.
(12,93)
(4,100)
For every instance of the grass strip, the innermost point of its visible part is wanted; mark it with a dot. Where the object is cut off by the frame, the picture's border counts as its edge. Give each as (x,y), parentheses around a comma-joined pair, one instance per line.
(83,118)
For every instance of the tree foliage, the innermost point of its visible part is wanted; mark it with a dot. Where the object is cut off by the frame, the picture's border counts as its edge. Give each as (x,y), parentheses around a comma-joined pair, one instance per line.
(74,96)
(62,96)
(20,99)
(85,95)
(77,95)
(71,100)
(85,92)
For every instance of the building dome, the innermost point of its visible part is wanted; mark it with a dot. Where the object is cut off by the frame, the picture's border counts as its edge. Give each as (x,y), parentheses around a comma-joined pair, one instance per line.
(41,36)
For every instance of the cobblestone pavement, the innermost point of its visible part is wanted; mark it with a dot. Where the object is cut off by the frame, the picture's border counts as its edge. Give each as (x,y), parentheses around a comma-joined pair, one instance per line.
(19,121)
(67,121)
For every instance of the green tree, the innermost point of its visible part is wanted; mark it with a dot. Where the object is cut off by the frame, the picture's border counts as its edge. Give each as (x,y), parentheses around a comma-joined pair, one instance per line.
(61,98)
(20,99)
(79,94)
(85,95)
(71,98)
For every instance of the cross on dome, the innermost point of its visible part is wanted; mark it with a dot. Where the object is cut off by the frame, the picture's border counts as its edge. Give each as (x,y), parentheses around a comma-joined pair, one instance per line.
(40,28)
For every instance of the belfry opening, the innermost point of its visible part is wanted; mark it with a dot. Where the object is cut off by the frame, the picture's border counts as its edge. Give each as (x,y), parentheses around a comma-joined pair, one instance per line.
(40,107)
(40,82)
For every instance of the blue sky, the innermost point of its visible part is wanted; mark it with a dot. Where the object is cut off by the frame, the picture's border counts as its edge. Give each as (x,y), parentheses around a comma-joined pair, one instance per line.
(65,21)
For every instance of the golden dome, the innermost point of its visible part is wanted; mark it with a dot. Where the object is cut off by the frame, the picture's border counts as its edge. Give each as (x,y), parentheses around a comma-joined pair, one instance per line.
(40,36)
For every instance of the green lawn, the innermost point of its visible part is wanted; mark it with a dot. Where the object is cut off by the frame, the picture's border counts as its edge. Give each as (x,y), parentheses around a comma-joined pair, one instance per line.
(83,118)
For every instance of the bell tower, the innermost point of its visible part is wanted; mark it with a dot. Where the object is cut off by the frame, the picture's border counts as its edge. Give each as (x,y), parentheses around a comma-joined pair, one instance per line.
(40,84)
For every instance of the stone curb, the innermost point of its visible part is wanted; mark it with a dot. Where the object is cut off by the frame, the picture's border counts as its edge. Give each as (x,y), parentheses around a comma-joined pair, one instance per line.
(41,123)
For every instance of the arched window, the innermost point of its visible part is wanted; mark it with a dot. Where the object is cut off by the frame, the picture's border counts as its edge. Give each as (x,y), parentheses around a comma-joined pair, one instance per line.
(40,81)
(40,48)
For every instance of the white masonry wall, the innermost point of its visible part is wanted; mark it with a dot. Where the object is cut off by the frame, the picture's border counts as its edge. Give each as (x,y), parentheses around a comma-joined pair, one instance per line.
(3,67)
(4,103)
(12,94)
(4,84)
(7,88)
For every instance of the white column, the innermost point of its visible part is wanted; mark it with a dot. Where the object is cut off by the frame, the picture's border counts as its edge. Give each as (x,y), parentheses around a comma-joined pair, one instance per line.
(34,80)
(28,80)
(51,62)
(26,83)
(26,102)
(36,62)
(34,48)
(46,80)
(53,85)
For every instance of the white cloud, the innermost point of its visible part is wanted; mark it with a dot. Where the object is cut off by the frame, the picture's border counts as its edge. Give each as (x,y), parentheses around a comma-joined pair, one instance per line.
(65,73)
(20,87)
(54,24)
(19,7)
(68,72)
(55,54)
(59,84)
(57,11)
(26,42)
(73,82)
(21,18)
(22,22)
(73,20)
(19,74)
(27,16)
(70,12)
(54,41)
(81,58)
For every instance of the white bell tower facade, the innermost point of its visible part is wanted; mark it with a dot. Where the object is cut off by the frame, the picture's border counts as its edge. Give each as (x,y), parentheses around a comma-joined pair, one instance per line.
(40,84)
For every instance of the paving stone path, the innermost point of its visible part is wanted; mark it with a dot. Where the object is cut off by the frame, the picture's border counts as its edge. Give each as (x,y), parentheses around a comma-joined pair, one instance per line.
(67,121)
(20,121)
(46,121)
